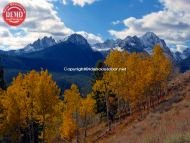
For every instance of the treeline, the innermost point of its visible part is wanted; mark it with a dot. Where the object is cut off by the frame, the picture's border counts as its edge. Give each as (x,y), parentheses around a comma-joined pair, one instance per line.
(139,88)
(33,110)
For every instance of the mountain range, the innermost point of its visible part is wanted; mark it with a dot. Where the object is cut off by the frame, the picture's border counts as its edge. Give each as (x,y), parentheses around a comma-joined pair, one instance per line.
(75,51)
(37,45)
(144,43)
(46,53)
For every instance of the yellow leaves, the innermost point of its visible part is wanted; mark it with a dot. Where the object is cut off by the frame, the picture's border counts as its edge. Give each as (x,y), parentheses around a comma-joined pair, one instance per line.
(100,85)
(143,72)
(158,52)
(75,108)
(30,97)
(72,102)
(116,59)
(34,90)
(162,64)
(34,95)
(87,106)
(47,93)
(72,98)
(2,114)
(68,128)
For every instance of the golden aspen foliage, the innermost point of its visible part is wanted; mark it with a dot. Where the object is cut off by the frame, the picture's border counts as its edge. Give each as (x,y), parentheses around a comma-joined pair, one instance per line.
(77,111)
(101,85)
(72,99)
(68,127)
(46,91)
(72,103)
(117,79)
(143,77)
(162,64)
(30,97)
(33,98)
(87,106)
(15,103)
(55,122)
(47,97)
(116,59)
(87,112)
(2,114)
(137,75)
(104,87)
(2,127)
(162,67)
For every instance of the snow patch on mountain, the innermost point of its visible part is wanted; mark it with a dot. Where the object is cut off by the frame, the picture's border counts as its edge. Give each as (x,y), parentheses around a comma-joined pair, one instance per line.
(37,45)
(144,43)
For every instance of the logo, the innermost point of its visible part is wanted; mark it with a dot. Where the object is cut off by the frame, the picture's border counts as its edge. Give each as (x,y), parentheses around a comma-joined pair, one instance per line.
(14,14)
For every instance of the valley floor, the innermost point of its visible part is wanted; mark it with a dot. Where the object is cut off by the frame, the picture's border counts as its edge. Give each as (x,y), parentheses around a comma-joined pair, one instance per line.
(167,123)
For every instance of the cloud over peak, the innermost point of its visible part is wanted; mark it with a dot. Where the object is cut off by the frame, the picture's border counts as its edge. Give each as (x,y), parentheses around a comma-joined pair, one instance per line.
(172,23)
(42,20)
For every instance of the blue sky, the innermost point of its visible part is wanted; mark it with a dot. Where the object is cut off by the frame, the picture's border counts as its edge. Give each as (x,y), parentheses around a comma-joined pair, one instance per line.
(98,20)
(98,17)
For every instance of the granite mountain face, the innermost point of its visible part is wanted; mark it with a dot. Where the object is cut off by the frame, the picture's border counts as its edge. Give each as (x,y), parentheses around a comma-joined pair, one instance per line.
(37,45)
(144,43)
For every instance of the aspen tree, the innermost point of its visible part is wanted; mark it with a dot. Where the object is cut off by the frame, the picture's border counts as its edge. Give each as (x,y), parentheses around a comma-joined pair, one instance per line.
(72,103)
(86,111)
(104,87)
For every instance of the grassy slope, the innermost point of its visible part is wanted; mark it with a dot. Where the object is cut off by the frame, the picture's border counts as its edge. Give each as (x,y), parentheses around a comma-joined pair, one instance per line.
(167,123)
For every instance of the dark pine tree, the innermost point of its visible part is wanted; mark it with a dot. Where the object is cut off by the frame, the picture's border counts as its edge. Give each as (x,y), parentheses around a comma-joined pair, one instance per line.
(2,81)
(98,96)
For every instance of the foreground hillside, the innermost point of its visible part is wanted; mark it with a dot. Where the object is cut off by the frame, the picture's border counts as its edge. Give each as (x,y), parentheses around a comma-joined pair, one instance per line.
(167,123)
(120,107)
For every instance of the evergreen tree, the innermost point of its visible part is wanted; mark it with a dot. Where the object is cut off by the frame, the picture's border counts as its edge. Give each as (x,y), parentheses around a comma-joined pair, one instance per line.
(2,81)
(98,96)
(97,75)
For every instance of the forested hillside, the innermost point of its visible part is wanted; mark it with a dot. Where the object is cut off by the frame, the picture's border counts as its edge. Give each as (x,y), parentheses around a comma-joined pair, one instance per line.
(168,122)
(33,108)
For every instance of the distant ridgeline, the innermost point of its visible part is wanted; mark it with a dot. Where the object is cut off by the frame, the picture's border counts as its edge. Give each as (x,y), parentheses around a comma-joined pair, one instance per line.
(75,51)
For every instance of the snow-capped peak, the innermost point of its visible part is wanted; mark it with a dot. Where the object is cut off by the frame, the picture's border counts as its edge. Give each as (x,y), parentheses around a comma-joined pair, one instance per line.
(150,35)
(183,54)
(77,39)
(38,45)
(150,39)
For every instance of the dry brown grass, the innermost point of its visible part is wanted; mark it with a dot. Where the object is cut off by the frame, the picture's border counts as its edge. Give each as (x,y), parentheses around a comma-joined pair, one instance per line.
(167,123)
(156,127)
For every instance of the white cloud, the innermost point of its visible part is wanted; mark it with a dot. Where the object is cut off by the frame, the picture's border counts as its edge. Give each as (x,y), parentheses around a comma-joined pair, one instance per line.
(93,39)
(80,3)
(64,2)
(181,48)
(42,20)
(172,23)
(116,22)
